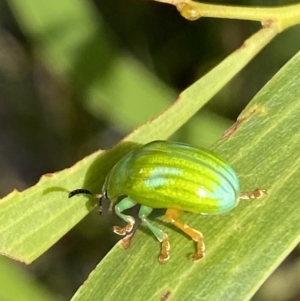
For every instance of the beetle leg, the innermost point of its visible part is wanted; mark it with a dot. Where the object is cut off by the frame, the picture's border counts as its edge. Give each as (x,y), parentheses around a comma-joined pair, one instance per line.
(171,216)
(256,194)
(124,204)
(160,235)
(126,241)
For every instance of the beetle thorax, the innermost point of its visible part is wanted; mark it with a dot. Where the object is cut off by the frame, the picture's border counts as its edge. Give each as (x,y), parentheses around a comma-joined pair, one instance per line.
(118,178)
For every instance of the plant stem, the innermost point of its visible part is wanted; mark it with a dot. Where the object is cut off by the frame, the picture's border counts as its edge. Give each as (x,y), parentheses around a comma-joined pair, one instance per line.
(278,17)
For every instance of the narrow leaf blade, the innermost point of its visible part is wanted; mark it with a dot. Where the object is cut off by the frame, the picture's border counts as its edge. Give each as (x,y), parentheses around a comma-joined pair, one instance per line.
(244,246)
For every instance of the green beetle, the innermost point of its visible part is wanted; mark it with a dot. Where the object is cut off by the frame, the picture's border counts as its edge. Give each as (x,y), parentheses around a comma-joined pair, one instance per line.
(175,176)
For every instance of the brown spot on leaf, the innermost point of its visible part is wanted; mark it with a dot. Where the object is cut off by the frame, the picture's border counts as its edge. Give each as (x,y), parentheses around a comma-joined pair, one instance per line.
(165,296)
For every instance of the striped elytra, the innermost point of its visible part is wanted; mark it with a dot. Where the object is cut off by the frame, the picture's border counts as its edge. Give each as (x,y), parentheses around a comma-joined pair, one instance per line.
(163,174)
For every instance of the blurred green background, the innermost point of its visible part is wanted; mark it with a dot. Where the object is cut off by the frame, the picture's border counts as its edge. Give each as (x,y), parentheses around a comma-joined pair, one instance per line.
(76,76)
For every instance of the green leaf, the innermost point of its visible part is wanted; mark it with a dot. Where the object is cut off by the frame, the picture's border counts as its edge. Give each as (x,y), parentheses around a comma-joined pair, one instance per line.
(242,247)
(75,43)
(16,285)
(33,220)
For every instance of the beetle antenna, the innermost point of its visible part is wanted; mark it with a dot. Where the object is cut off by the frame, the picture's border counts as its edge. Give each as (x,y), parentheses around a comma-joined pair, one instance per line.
(85,191)
(79,191)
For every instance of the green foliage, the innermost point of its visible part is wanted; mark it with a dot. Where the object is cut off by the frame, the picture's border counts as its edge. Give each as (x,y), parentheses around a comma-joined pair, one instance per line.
(47,212)
(17,285)
(243,247)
